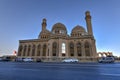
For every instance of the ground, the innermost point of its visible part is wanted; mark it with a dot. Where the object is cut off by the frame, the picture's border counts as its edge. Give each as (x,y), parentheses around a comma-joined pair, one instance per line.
(59,71)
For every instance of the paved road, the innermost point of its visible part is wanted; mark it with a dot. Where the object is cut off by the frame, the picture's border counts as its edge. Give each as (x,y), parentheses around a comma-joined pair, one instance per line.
(59,71)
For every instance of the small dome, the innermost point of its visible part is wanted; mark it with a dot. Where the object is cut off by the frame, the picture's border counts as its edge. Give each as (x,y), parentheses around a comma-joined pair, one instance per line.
(77,29)
(44,34)
(59,28)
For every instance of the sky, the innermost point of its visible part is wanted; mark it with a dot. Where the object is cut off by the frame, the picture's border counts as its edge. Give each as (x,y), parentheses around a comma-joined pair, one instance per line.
(21,20)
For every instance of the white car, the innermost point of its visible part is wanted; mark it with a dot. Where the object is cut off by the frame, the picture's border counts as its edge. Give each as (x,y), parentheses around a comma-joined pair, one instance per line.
(106,60)
(70,60)
(28,60)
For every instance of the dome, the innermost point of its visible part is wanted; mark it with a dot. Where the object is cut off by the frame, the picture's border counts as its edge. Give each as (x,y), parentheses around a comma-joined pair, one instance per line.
(44,34)
(59,28)
(78,29)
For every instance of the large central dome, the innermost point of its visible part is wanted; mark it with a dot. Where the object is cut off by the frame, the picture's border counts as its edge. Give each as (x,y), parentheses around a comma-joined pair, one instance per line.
(59,28)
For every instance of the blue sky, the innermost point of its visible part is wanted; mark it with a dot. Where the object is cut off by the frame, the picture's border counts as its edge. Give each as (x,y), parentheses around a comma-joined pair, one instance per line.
(21,19)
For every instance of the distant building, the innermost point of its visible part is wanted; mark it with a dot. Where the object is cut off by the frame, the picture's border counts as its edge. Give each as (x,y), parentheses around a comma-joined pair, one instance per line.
(104,54)
(56,44)
(8,57)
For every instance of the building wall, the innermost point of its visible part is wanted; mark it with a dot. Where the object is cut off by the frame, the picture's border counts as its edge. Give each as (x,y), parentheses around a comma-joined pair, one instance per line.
(24,53)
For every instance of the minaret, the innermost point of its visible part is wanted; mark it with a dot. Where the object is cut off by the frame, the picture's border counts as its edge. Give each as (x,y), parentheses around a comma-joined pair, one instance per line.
(88,22)
(44,24)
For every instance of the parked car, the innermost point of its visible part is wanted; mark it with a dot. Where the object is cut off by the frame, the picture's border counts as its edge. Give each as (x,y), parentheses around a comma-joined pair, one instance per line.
(6,58)
(28,59)
(38,60)
(0,59)
(19,59)
(109,59)
(70,60)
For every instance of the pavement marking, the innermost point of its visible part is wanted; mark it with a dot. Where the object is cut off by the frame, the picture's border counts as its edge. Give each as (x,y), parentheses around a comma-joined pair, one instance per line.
(110,74)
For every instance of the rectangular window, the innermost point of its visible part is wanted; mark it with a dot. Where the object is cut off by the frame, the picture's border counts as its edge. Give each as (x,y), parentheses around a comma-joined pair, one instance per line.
(63,48)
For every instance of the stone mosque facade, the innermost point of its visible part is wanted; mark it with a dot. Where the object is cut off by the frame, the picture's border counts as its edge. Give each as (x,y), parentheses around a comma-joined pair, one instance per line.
(56,45)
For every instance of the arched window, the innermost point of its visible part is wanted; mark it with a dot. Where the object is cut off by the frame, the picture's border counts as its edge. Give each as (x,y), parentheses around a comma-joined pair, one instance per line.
(71,46)
(24,51)
(33,50)
(38,50)
(79,50)
(29,48)
(63,48)
(54,49)
(87,49)
(44,49)
(20,50)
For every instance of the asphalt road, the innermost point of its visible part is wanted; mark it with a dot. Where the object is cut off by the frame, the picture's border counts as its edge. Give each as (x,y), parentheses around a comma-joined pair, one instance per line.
(59,71)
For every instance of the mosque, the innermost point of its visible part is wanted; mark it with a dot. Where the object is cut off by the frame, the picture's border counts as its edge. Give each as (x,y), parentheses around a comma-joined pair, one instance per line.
(56,45)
